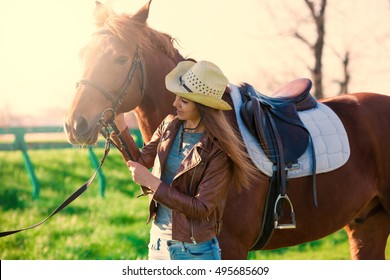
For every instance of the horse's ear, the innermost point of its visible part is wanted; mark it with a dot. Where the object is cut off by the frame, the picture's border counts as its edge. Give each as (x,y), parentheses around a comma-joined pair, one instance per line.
(143,13)
(101,13)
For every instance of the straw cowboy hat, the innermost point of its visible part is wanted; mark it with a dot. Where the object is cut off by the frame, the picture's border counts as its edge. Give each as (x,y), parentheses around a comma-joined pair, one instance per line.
(202,82)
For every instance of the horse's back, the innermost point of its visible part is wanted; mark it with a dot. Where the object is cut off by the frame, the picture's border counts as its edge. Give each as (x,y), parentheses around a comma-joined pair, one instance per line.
(363,101)
(357,189)
(366,117)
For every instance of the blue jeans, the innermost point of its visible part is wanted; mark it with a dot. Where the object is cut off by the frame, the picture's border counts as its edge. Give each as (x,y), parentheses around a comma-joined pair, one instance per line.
(208,250)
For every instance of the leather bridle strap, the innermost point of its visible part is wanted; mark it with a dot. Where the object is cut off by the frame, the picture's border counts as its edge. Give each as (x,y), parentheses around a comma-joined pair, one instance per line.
(106,93)
(71,198)
(121,93)
(137,62)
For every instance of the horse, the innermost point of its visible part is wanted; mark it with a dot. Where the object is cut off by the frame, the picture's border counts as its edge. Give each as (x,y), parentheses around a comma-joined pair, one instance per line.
(355,196)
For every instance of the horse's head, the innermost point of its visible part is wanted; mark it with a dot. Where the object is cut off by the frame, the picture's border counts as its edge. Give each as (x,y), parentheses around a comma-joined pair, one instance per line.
(113,75)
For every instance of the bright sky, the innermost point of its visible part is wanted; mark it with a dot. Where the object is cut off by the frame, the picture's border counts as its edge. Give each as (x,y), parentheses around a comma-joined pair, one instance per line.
(248,39)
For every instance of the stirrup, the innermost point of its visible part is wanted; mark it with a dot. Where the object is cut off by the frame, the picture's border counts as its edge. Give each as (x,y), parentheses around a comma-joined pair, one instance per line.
(291,225)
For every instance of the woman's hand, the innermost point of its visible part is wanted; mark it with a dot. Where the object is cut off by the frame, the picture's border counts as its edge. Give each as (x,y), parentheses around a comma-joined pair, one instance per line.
(142,176)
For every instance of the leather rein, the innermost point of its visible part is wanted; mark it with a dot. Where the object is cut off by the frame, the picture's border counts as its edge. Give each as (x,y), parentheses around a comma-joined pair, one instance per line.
(105,131)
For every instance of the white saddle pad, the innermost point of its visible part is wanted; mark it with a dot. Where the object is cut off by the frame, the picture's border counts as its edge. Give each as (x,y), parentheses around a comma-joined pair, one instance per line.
(326,129)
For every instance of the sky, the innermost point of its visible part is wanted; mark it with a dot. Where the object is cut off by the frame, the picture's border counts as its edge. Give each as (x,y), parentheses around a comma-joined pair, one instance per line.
(249,39)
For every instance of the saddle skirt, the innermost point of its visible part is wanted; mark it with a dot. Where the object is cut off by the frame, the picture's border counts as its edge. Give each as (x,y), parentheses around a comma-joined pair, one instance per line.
(328,134)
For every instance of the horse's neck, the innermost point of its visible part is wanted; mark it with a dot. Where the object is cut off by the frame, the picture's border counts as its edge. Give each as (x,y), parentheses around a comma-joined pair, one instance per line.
(148,120)
(157,102)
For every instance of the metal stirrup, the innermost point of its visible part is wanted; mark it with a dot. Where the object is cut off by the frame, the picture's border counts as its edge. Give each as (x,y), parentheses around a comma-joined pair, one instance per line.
(292,224)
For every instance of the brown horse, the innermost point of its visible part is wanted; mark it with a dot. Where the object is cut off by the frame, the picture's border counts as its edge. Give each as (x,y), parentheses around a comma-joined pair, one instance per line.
(355,196)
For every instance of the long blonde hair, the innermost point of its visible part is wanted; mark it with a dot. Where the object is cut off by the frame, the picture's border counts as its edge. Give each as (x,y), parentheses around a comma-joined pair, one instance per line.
(221,132)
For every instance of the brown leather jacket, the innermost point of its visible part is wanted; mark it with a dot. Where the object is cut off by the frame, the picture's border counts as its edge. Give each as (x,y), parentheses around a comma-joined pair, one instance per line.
(197,194)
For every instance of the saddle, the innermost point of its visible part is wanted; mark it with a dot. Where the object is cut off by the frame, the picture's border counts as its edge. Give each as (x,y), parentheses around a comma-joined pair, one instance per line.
(275,123)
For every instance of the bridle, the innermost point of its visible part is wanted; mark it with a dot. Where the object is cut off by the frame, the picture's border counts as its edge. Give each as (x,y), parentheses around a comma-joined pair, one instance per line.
(105,129)
(117,101)
(122,92)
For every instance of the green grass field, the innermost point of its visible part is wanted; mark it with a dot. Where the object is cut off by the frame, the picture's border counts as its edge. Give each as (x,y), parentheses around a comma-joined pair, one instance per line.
(93,227)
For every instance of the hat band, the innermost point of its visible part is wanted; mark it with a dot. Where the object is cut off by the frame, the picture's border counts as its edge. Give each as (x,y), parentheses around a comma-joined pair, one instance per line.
(183,84)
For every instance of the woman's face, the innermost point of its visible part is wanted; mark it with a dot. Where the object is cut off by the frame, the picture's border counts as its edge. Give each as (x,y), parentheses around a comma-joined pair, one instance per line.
(186,109)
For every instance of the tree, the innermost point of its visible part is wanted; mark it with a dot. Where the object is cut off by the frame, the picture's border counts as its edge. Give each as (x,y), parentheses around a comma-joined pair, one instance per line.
(344,83)
(342,45)
(318,17)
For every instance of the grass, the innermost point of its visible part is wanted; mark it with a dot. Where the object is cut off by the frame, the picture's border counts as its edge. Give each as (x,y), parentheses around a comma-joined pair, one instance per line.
(92,227)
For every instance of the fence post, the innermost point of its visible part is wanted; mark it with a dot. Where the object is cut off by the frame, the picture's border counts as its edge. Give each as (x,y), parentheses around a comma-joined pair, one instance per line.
(95,163)
(21,145)
(137,136)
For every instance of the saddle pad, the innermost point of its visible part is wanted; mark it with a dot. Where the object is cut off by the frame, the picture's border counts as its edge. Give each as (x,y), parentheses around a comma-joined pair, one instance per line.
(326,129)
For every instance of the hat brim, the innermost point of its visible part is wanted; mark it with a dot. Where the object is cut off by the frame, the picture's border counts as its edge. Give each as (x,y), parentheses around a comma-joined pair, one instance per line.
(209,101)
(172,82)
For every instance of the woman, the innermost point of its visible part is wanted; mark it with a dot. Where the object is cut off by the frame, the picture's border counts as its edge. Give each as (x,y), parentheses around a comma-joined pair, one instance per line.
(195,156)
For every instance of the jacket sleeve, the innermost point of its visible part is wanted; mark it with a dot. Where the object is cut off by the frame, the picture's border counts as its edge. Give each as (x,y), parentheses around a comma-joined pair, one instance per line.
(211,191)
(148,153)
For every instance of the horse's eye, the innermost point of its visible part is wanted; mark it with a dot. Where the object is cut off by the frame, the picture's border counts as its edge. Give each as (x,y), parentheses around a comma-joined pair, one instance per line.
(121,60)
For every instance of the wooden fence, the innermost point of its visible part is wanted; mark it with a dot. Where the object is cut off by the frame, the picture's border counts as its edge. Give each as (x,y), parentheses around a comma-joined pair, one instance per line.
(18,142)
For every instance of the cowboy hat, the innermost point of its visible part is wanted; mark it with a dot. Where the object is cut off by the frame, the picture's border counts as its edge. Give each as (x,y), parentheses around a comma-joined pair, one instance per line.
(202,82)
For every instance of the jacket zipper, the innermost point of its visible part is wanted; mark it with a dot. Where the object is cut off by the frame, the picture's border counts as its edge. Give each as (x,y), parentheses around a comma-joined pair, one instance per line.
(191,225)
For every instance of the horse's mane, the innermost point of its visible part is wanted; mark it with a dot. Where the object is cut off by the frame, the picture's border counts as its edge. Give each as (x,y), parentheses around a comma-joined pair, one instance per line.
(129,30)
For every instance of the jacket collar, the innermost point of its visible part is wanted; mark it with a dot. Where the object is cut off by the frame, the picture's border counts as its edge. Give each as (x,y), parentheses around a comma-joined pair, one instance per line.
(173,128)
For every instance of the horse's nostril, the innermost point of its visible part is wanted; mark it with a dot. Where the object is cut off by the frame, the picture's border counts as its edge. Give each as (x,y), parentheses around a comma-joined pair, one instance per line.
(80,125)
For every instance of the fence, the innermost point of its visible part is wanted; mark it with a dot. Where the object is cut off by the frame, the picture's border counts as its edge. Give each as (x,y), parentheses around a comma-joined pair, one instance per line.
(19,143)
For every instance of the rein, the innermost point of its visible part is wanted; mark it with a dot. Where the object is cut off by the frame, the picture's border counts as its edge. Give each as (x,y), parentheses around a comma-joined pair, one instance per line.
(72,197)
(105,131)
(106,134)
